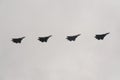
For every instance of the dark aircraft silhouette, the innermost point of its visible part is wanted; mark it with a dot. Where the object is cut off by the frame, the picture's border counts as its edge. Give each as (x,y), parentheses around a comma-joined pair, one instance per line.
(72,38)
(44,39)
(101,36)
(18,40)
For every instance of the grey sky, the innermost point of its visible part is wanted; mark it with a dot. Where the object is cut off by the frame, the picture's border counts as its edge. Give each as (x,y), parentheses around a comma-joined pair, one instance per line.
(59,59)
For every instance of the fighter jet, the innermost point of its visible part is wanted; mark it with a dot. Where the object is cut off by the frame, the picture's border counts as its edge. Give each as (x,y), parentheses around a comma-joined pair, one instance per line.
(72,38)
(17,40)
(101,36)
(44,39)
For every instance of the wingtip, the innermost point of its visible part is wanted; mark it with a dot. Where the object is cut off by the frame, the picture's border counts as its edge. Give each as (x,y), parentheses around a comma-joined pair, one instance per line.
(23,37)
(50,36)
(79,34)
(108,33)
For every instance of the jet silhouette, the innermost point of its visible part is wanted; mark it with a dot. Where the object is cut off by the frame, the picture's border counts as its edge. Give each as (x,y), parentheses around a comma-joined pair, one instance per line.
(72,38)
(17,40)
(101,36)
(44,39)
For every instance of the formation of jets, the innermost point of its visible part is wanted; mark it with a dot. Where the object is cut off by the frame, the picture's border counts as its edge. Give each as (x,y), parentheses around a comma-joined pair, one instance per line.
(69,38)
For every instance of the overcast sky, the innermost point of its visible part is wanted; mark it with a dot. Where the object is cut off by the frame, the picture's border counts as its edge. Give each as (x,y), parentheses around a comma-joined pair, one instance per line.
(59,59)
